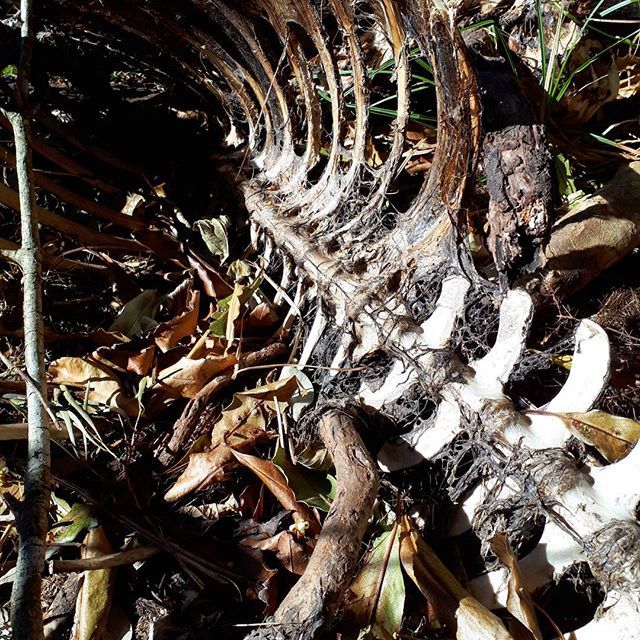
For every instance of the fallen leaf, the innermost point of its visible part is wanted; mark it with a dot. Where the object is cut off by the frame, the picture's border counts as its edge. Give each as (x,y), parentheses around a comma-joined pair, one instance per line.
(212,512)
(137,316)
(79,519)
(282,390)
(213,283)
(168,334)
(239,270)
(276,482)
(612,436)
(134,202)
(304,396)
(233,312)
(377,594)
(186,377)
(317,489)
(104,386)
(242,424)
(94,600)
(287,549)
(262,316)
(122,357)
(231,306)
(451,602)
(214,234)
(519,602)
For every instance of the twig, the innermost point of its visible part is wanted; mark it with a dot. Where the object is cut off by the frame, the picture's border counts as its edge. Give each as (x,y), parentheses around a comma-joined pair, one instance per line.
(31,512)
(30,384)
(104,562)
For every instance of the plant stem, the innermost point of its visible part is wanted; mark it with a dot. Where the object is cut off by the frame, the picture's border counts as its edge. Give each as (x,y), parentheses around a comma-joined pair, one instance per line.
(31,512)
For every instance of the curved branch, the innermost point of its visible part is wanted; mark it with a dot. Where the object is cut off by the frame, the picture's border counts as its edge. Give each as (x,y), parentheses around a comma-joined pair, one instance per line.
(312,603)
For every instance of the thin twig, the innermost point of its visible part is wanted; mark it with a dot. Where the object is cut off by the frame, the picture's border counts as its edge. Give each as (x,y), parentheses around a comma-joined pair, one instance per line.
(108,561)
(31,512)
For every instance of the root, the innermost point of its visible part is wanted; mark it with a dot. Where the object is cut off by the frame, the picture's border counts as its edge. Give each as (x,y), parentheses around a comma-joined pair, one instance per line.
(312,603)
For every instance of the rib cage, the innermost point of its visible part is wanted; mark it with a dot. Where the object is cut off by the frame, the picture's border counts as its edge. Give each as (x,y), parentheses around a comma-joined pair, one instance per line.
(259,65)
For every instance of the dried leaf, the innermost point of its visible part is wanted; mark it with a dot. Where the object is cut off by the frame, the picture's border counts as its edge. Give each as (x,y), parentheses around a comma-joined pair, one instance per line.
(282,390)
(213,283)
(186,377)
(168,334)
(123,358)
(239,270)
(519,602)
(135,201)
(377,594)
(303,398)
(94,600)
(242,425)
(104,386)
(240,295)
(262,316)
(233,313)
(451,602)
(137,316)
(288,550)
(214,235)
(612,436)
(276,482)
(213,511)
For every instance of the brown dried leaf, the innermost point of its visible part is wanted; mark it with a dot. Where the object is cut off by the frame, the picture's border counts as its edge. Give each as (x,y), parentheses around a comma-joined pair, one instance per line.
(233,312)
(262,316)
(186,377)
(612,436)
(281,390)
(104,386)
(519,602)
(452,603)
(276,482)
(288,550)
(168,334)
(242,425)
(122,358)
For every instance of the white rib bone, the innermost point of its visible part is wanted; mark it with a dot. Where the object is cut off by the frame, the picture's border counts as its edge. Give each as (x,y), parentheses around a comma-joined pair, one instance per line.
(589,370)
(516,312)
(588,376)
(438,327)
(315,333)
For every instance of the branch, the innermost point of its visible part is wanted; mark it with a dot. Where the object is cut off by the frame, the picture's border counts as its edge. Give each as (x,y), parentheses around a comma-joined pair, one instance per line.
(31,513)
(312,602)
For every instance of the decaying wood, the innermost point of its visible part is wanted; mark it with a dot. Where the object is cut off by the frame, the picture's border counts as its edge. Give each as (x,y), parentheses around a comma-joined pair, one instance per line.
(312,603)
(517,168)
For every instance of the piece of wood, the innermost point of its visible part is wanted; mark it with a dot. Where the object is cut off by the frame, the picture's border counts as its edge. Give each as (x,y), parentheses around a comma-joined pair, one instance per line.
(312,603)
